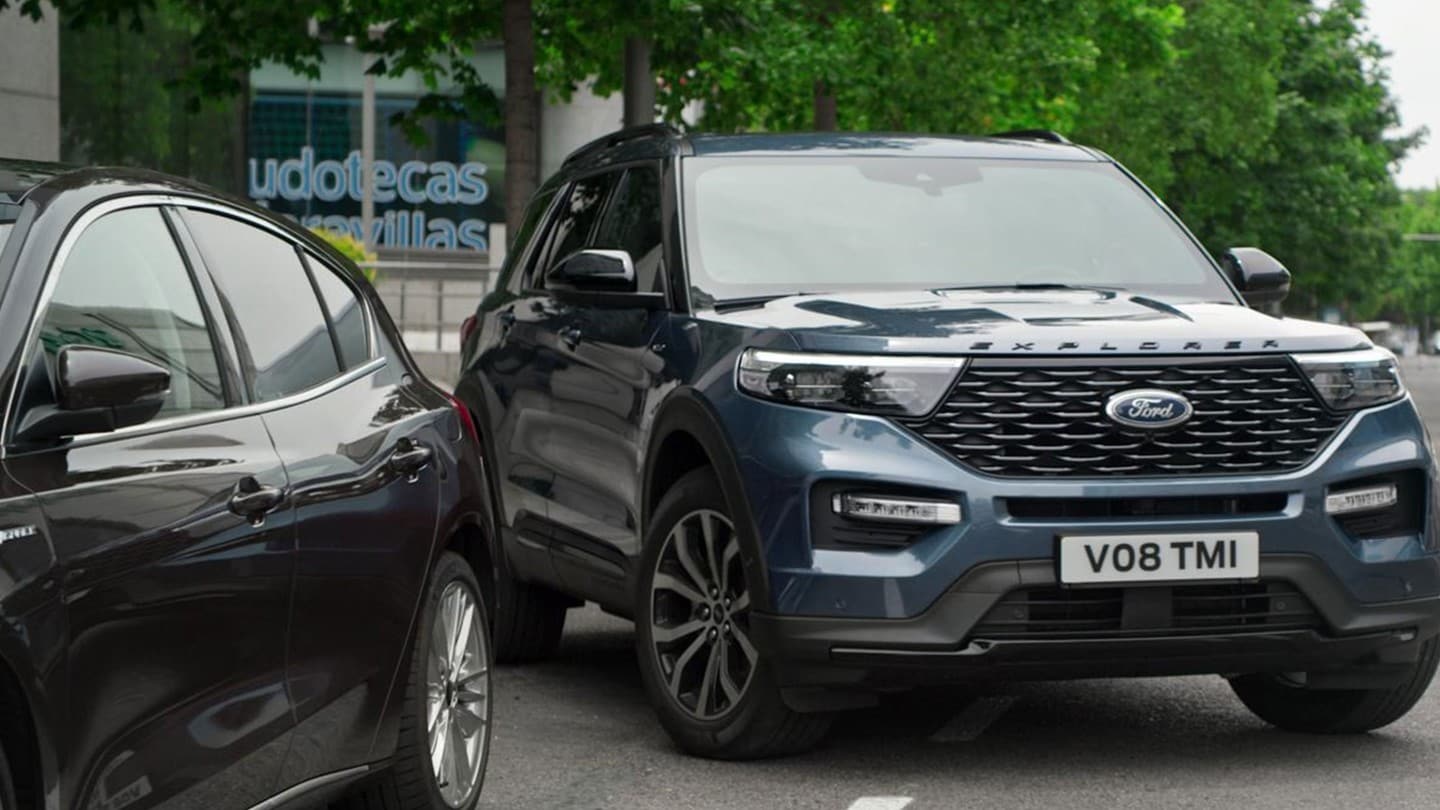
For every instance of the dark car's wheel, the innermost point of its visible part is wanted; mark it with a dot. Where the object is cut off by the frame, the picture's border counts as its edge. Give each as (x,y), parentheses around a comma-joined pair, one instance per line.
(529,619)
(445,723)
(1336,711)
(711,687)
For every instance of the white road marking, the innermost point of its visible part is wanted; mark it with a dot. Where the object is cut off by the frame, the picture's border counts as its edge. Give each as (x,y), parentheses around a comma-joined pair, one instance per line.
(969,724)
(881,803)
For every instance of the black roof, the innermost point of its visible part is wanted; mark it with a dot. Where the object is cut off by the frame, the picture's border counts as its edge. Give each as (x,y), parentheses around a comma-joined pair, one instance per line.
(662,140)
(17,177)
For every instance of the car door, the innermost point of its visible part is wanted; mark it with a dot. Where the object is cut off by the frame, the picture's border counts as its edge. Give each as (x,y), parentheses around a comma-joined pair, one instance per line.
(358,444)
(522,363)
(599,389)
(176,604)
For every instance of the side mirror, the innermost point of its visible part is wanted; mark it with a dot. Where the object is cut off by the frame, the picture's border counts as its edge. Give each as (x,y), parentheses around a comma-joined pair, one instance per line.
(592,270)
(1260,277)
(97,391)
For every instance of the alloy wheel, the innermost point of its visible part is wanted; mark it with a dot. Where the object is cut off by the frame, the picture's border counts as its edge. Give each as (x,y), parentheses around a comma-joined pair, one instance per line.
(457,695)
(699,620)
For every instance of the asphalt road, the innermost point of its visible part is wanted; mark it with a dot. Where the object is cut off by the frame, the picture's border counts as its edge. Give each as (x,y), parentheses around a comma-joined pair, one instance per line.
(576,732)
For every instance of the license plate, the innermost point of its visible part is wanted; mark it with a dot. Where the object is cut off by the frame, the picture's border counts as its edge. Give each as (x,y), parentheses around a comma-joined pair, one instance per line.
(1159,557)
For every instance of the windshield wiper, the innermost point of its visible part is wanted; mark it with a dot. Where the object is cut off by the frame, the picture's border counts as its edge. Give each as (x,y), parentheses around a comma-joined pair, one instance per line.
(751,301)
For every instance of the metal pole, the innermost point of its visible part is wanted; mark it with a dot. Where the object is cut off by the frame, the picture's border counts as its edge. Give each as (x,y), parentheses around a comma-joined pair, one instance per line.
(367,155)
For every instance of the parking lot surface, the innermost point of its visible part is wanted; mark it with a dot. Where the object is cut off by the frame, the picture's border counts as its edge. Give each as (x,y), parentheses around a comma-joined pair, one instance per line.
(576,732)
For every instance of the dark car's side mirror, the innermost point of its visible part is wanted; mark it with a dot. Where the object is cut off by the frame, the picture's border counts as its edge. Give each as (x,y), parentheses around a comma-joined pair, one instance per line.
(601,278)
(593,271)
(97,391)
(1260,277)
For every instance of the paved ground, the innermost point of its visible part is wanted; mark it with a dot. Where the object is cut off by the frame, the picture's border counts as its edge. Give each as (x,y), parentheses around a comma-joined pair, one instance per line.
(577,733)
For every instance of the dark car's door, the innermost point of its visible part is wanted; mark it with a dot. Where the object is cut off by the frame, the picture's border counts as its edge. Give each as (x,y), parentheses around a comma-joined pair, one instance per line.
(598,398)
(522,363)
(176,605)
(358,446)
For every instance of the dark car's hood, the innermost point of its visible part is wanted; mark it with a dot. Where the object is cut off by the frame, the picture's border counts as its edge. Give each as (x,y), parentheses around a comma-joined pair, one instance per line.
(1034,322)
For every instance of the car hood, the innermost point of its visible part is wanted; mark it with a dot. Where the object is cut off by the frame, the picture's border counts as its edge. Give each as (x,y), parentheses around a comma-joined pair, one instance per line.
(1033,322)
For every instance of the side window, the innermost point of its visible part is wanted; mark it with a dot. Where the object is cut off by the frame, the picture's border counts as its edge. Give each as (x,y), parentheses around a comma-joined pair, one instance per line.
(578,215)
(534,218)
(632,223)
(124,286)
(283,338)
(347,316)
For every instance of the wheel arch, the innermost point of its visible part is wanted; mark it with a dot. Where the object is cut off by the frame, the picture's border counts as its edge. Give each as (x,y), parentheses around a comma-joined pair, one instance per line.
(28,751)
(688,434)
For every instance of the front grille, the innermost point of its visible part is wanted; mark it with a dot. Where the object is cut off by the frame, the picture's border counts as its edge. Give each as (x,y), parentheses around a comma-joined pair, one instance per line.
(1047,418)
(1263,503)
(1061,613)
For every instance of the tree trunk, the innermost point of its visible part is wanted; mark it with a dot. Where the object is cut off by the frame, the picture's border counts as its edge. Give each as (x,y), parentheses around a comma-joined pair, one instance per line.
(825,112)
(639,82)
(522,112)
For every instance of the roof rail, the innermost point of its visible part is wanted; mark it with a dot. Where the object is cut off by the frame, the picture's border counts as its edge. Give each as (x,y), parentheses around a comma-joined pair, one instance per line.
(620,136)
(1033,135)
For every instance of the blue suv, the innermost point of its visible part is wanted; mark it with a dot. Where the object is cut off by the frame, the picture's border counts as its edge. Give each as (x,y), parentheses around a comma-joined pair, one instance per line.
(833,415)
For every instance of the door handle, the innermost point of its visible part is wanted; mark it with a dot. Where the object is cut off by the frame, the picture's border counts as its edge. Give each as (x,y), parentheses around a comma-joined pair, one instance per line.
(571,335)
(253,500)
(410,458)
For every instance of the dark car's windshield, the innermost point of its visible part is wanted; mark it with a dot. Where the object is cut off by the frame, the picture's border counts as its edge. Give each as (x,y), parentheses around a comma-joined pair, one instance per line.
(772,226)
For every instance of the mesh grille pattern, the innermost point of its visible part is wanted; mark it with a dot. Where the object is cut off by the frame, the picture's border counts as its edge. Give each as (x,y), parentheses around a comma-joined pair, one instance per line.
(1047,418)
(1057,613)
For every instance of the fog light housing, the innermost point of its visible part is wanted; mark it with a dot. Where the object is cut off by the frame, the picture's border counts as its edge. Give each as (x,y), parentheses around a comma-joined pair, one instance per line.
(894,509)
(1362,499)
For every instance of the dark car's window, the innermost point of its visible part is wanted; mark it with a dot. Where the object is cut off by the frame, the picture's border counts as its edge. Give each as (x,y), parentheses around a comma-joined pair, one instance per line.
(576,220)
(347,316)
(774,226)
(124,286)
(632,223)
(273,308)
(534,216)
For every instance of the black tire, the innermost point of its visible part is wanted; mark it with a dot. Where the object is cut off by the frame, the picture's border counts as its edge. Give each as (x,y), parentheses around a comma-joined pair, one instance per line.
(410,782)
(758,724)
(529,619)
(1336,711)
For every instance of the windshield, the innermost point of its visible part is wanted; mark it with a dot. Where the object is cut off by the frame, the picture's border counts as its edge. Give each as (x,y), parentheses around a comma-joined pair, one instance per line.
(776,226)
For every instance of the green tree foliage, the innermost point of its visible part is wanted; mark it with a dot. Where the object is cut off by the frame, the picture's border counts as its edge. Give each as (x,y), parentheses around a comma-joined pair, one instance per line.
(120,104)
(1415,291)
(1261,122)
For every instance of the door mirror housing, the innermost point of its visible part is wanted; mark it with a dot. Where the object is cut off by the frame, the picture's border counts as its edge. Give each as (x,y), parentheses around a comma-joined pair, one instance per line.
(97,391)
(1260,277)
(604,279)
(592,270)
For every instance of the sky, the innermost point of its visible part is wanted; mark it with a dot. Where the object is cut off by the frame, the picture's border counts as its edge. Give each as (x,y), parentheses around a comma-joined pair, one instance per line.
(1410,30)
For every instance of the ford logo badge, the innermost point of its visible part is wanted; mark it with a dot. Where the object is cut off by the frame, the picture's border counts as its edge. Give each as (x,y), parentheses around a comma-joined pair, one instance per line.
(1149,409)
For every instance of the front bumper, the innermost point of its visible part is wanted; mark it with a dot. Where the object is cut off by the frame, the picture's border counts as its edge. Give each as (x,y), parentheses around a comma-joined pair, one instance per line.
(938,645)
(837,616)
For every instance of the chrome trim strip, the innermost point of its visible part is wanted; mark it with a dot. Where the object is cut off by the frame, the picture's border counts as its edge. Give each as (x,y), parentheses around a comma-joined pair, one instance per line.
(52,275)
(315,783)
(226,414)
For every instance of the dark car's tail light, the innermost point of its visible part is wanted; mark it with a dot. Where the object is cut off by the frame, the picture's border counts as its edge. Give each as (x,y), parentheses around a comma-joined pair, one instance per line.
(467,419)
(467,328)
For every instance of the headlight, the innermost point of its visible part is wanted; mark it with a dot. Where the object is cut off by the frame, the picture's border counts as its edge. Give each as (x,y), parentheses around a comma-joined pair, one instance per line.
(1348,381)
(894,385)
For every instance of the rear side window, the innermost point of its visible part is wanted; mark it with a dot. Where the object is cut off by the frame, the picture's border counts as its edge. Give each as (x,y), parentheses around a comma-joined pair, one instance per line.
(347,316)
(284,340)
(632,224)
(578,215)
(534,217)
(124,286)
